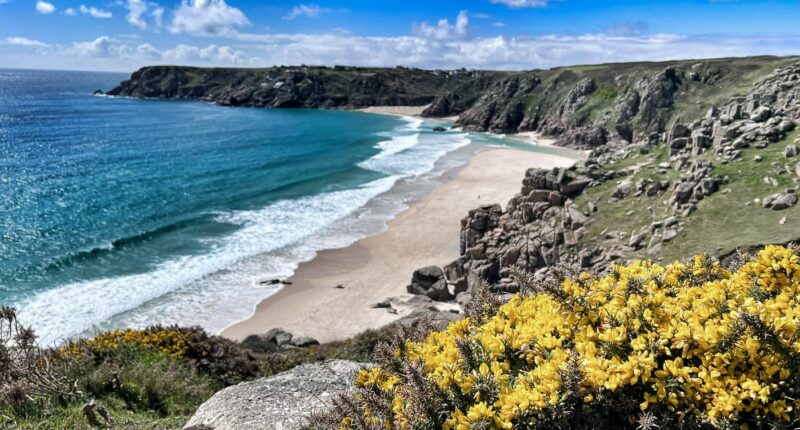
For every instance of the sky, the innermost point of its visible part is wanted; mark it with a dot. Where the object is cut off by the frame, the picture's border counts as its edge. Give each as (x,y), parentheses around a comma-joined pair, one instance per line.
(123,35)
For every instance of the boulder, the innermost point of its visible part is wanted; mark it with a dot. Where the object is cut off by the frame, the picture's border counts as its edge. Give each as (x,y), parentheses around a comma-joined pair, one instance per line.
(283,401)
(790,151)
(623,189)
(274,340)
(779,201)
(430,281)
(761,114)
(578,218)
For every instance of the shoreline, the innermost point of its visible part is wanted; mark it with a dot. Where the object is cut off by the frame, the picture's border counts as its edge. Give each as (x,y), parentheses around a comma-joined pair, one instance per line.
(379,266)
(529,137)
(412,111)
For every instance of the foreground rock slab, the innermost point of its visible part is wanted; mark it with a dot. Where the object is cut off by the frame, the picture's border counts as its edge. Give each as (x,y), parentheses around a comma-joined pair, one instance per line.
(280,402)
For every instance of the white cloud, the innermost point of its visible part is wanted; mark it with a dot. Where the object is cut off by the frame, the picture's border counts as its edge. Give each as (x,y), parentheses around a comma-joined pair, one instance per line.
(502,52)
(207,18)
(23,41)
(45,7)
(211,54)
(70,11)
(136,11)
(147,51)
(445,45)
(95,12)
(158,15)
(140,10)
(105,49)
(103,46)
(443,30)
(519,4)
(307,10)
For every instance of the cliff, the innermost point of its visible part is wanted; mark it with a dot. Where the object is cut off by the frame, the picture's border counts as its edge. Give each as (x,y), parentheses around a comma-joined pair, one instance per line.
(583,106)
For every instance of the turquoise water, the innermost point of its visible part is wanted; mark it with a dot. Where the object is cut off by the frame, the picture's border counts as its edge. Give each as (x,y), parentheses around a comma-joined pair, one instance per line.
(118,212)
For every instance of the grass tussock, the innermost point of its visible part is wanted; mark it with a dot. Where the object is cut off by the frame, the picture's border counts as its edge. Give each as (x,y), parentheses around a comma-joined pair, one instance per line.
(689,345)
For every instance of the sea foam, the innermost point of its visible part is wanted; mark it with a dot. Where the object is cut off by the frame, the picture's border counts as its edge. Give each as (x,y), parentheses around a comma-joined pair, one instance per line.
(221,286)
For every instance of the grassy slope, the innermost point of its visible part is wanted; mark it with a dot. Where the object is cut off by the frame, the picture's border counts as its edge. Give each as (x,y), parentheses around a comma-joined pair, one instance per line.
(722,222)
(158,393)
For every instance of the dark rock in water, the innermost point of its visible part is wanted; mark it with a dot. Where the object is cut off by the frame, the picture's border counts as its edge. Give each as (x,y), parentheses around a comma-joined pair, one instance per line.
(439,129)
(284,401)
(99,93)
(430,281)
(270,282)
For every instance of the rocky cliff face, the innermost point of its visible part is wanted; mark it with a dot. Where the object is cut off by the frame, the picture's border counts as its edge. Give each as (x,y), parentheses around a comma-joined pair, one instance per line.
(542,228)
(584,107)
(310,87)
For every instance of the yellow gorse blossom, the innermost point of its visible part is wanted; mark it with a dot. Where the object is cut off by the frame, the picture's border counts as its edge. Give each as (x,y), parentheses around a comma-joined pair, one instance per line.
(166,340)
(688,339)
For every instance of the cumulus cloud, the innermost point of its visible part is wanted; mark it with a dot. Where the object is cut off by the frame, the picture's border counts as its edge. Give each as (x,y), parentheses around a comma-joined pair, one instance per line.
(445,45)
(443,30)
(45,7)
(519,4)
(136,12)
(23,41)
(109,48)
(307,10)
(70,11)
(95,12)
(503,52)
(211,54)
(142,11)
(207,18)
(103,46)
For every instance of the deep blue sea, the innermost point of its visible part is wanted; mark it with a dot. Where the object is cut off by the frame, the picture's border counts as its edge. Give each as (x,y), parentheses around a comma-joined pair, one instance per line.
(118,212)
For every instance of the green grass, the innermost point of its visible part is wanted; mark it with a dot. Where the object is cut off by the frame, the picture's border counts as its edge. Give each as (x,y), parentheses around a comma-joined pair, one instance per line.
(143,388)
(722,221)
(72,418)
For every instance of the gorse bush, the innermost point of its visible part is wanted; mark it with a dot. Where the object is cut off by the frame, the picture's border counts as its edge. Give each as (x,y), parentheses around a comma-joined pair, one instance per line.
(215,356)
(148,375)
(683,346)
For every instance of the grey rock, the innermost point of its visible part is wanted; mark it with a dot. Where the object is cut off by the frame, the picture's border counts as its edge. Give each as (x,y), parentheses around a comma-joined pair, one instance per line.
(304,342)
(779,201)
(637,239)
(274,340)
(623,189)
(578,218)
(761,114)
(790,151)
(280,402)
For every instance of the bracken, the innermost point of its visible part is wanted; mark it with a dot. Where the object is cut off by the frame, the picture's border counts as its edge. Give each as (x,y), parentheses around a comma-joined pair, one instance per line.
(690,344)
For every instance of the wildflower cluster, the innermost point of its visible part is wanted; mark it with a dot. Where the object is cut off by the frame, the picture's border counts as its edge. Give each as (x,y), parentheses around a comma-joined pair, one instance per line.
(172,341)
(690,344)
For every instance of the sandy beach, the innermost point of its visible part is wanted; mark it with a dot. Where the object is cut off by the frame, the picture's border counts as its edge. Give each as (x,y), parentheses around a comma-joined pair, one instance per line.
(380,266)
(403,111)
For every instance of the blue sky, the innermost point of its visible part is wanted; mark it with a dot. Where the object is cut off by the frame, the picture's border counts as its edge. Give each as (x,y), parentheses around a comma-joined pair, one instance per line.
(122,35)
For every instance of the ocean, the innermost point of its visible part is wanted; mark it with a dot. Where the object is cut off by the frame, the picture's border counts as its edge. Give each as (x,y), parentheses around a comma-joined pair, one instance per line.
(123,213)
